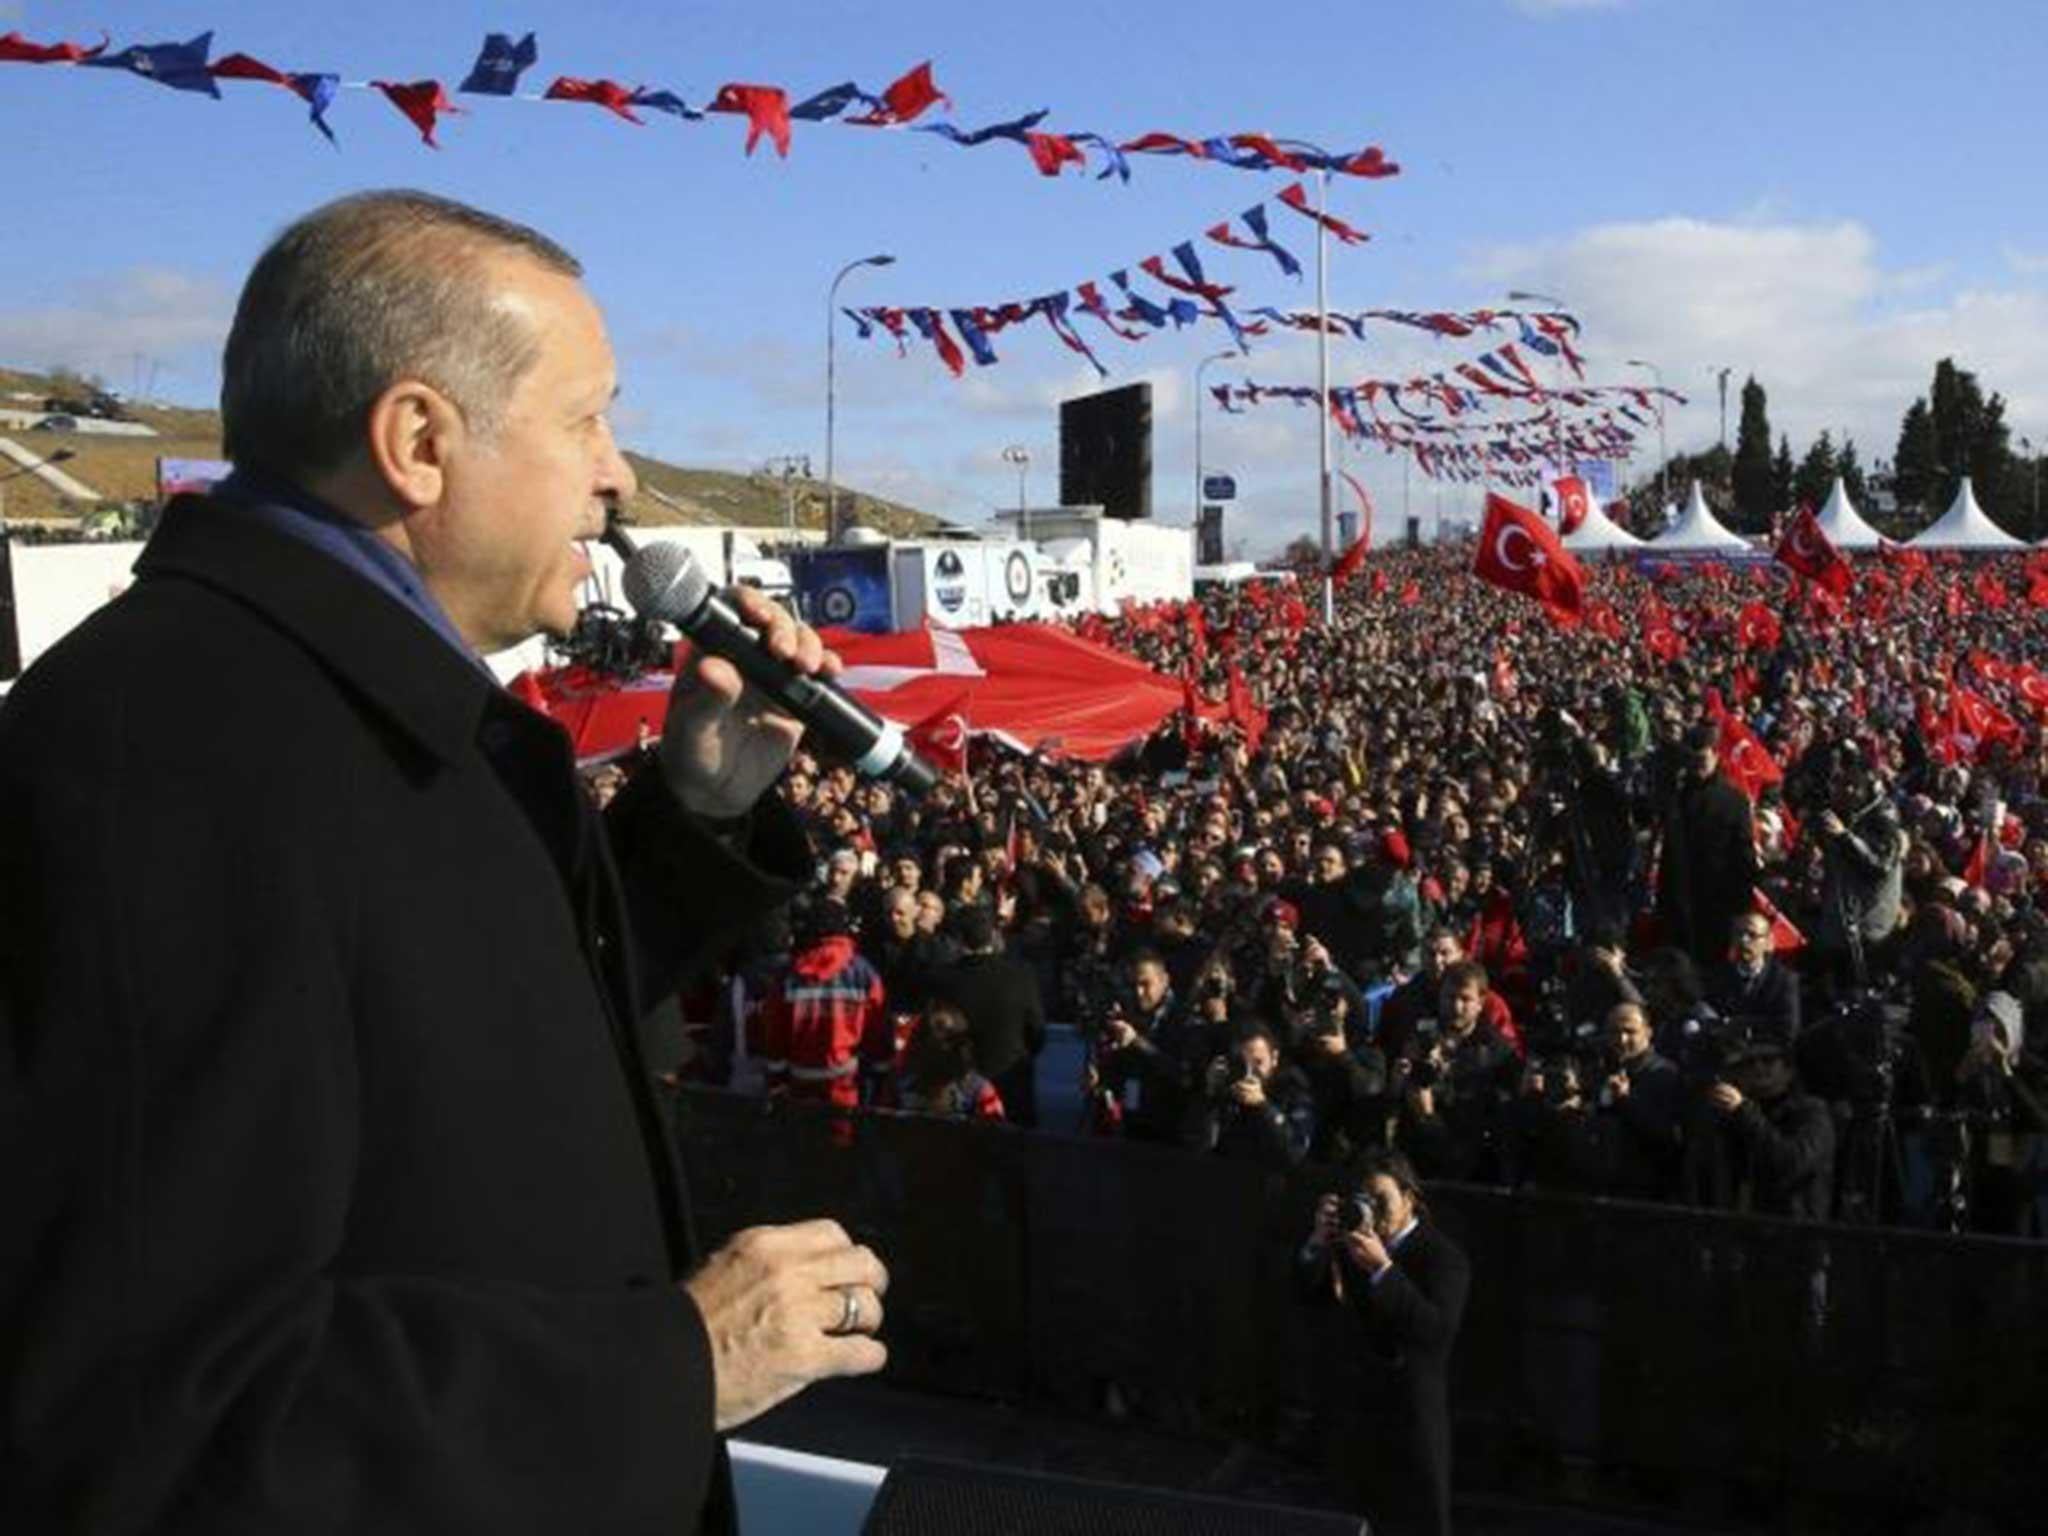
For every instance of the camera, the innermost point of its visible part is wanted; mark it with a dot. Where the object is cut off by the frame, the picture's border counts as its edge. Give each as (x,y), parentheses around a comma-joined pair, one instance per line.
(1354,1214)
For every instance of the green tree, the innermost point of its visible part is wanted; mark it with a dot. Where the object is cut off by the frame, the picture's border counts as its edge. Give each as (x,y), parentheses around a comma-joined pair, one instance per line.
(1970,437)
(1915,471)
(1851,471)
(1816,476)
(1783,477)
(1752,468)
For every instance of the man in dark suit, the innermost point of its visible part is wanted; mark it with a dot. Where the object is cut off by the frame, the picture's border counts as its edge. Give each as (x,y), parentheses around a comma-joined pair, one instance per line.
(1000,998)
(1374,1252)
(337,1194)
(1753,989)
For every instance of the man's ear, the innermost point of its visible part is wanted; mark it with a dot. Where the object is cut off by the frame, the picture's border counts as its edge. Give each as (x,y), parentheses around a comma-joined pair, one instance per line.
(411,431)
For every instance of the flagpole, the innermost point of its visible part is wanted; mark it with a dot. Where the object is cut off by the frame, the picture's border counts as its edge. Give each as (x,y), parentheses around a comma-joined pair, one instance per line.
(1323,373)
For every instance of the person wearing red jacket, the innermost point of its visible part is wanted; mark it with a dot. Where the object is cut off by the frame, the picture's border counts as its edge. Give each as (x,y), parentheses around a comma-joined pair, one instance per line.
(826,1017)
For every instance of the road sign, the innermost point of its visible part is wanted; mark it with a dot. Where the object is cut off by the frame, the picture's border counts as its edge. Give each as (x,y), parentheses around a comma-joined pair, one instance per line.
(1218,488)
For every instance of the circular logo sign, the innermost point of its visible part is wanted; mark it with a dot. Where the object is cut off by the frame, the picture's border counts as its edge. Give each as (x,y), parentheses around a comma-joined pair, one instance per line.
(1017,576)
(836,605)
(949,584)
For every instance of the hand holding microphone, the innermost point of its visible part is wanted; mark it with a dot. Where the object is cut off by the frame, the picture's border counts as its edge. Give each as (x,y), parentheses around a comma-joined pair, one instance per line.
(761,681)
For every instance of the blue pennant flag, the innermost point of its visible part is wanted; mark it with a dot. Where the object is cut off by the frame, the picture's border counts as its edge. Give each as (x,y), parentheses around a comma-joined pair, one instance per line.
(830,103)
(664,101)
(498,67)
(319,93)
(1013,130)
(181,66)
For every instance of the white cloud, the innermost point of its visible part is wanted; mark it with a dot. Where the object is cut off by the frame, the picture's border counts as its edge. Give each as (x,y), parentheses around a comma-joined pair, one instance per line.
(2026,263)
(173,318)
(1809,309)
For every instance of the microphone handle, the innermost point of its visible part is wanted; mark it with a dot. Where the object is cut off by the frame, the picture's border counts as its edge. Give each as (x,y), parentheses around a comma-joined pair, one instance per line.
(874,746)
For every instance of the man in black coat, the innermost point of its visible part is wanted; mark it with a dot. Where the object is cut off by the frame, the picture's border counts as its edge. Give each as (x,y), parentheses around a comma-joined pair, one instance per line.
(1708,870)
(1775,1154)
(1374,1252)
(338,1197)
(1642,1104)
(1000,998)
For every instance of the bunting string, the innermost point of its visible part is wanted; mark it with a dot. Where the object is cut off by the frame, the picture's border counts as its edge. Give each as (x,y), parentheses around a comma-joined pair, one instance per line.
(503,61)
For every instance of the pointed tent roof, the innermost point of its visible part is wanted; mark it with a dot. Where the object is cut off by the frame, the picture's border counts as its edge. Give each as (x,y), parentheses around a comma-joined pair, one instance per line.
(1843,525)
(1697,532)
(1964,526)
(1598,533)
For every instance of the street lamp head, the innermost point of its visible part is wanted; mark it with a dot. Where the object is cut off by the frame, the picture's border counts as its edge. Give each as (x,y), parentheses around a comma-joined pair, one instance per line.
(882,259)
(1016,454)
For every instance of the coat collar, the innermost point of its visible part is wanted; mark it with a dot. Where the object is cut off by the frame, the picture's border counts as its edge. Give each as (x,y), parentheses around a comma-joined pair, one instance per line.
(402,669)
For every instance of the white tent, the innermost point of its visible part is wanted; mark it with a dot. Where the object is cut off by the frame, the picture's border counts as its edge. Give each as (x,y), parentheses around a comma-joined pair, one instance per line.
(1964,526)
(1843,525)
(1599,534)
(1696,532)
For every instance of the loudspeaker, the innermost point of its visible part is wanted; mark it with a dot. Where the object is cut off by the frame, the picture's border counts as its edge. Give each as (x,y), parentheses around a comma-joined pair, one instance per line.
(1106,451)
(10,637)
(1209,536)
(923,1497)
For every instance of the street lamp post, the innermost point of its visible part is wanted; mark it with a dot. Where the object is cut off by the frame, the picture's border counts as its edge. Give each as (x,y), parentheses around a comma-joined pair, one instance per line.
(1020,456)
(788,466)
(1524,296)
(1201,368)
(1663,455)
(831,379)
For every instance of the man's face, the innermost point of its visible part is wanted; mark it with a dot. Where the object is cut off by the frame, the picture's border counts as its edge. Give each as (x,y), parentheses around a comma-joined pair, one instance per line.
(908,875)
(1260,1058)
(1391,1208)
(1329,865)
(1630,1031)
(1444,952)
(1148,985)
(931,912)
(1703,763)
(1752,942)
(498,545)
(1462,1006)
(902,914)
(840,877)
(1272,868)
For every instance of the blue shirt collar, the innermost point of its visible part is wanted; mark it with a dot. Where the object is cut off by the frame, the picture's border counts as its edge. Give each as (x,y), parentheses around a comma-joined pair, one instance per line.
(305,517)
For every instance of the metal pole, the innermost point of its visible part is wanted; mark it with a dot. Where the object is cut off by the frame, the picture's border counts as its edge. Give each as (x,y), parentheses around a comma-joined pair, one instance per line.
(832,529)
(1200,369)
(1663,454)
(1323,397)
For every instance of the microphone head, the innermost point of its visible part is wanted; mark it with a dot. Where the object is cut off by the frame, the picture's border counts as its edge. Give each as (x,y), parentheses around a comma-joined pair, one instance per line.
(664,581)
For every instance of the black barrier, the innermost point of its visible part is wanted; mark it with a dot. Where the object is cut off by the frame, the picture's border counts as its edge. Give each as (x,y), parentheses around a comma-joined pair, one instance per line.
(1864,1368)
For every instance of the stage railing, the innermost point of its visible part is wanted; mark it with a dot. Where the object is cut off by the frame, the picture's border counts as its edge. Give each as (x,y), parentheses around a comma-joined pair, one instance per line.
(1898,1369)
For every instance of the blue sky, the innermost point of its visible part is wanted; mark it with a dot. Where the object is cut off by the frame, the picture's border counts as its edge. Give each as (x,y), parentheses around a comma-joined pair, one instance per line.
(1830,194)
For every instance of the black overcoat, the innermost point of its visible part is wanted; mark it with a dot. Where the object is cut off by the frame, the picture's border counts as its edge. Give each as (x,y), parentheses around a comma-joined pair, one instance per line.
(337,1197)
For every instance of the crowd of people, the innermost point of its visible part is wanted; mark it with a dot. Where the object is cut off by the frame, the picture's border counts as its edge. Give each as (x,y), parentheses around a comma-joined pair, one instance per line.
(1734,893)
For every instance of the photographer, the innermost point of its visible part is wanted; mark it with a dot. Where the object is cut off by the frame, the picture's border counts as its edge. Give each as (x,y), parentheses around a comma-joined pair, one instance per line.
(1556,1142)
(1253,1109)
(1453,1082)
(1346,1075)
(1708,872)
(2002,1086)
(1774,1153)
(1583,810)
(1144,1061)
(1373,1251)
(1641,1105)
(1863,851)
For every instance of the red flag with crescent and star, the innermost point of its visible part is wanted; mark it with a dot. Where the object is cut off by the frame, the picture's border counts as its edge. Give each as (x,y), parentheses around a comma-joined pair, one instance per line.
(1807,550)
(942,735)
(1519,552)
(1574,501)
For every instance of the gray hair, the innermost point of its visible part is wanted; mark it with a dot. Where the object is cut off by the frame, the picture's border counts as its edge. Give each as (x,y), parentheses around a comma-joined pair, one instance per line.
(359,294)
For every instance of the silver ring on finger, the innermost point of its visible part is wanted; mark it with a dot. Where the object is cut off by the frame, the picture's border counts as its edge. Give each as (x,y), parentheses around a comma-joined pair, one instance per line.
(849,1312)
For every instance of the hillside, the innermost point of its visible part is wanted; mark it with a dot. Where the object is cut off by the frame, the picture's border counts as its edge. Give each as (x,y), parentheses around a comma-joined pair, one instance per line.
(123,470)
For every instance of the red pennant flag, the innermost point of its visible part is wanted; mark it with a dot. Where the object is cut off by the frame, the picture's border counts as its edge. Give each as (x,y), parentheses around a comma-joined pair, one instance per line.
(1244,713)
(1519,552)
(1805,548)
(1364,510)
(941,736)
(1574,501)
(608,94)
(1050,151)
(906,98)
(1297,199)
(766,108)
(16,49)
(424,102)
(1785,939)
(1745,759)
(1758,628)
(240,66)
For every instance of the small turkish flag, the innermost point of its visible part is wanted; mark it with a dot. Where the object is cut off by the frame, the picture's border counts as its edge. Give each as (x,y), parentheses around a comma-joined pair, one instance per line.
(1574,501)
(942,735)
(1519,552)
(1806,549)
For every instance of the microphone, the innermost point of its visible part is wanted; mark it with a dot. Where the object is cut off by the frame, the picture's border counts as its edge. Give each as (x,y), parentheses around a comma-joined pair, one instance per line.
(664,581)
